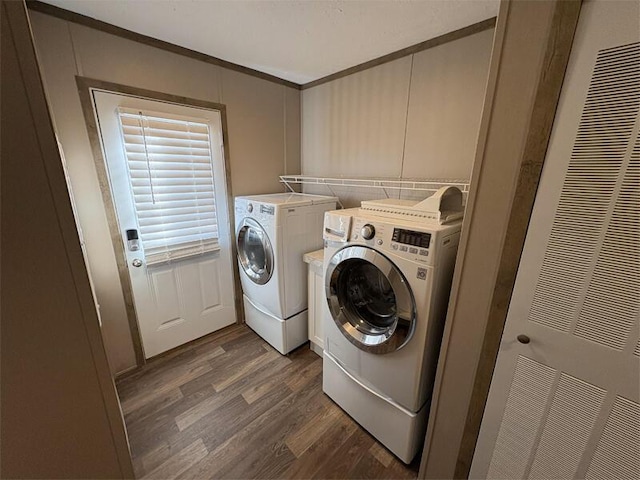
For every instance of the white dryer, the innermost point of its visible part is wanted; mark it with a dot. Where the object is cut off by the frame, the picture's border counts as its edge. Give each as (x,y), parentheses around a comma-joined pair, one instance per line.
(387,281)
(272,234)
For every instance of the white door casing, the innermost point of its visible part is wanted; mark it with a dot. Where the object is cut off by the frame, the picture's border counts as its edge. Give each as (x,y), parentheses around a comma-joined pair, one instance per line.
(184,299)
(567,404)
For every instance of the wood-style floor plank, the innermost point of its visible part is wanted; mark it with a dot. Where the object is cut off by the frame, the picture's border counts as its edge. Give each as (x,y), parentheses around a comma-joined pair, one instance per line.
(180,462)
(229,406)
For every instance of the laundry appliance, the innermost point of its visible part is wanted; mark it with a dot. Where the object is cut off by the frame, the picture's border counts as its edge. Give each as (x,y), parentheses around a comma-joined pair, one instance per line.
(272,234)
(388,268)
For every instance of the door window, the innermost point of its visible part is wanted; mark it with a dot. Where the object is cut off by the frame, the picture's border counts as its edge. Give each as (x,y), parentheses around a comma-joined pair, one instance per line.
(255,253)
(169,160)
(370,300)
(368,296)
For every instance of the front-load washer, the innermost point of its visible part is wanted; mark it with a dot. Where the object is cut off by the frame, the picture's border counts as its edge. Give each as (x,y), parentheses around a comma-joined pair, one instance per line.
(387,282)
(272,234)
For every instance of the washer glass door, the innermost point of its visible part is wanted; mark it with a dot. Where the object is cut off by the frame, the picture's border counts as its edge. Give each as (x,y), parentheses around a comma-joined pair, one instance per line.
(254,251)
(370,300)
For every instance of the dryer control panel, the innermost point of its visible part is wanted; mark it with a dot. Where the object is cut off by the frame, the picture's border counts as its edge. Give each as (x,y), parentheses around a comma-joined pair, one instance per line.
(406,242)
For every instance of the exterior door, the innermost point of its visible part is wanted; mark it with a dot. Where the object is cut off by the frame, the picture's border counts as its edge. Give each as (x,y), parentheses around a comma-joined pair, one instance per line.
(565,396)
(255,251)
(370,300)
(167,178)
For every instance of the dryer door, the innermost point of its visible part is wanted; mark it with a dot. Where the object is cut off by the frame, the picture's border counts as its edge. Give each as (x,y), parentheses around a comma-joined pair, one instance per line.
(370,300)
(254,251)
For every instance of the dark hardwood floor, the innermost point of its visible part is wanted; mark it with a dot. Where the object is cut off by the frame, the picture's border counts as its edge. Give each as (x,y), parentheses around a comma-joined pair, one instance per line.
(230,406)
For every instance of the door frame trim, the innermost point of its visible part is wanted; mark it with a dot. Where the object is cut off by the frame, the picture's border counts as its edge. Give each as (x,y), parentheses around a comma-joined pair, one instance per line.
(85,86)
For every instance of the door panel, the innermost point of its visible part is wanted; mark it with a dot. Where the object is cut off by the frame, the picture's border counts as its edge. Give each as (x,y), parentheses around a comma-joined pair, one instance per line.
(617,448)
(562,405)
(573,412)
(192,293)
(165,294)
(530,391)
(210,284)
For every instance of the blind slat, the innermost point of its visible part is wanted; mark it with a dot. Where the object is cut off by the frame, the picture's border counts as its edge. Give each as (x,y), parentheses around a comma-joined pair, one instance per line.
(157,151)
(170,197)
(183,251)
(146,209)
(136,138)
(142,186)
(185,130)
(176,223)
(168,216)
(190,181)
(167,134)
(189,233)
(160,167)
(141,174)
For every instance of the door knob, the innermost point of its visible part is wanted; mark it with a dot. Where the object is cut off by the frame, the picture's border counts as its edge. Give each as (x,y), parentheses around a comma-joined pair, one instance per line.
(523,339)
(136,262)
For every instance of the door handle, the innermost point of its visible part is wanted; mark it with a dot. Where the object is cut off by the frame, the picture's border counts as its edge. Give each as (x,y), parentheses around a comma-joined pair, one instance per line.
(136,262)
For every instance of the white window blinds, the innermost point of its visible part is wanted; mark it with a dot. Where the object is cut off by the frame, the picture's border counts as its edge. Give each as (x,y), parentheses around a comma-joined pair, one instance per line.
(171,175)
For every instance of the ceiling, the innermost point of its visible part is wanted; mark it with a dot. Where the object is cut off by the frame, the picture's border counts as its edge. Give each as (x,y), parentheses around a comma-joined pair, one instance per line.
(297,40)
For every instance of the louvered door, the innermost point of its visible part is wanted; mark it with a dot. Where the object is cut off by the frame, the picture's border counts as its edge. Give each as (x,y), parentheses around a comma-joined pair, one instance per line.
(168,182)
(567,404)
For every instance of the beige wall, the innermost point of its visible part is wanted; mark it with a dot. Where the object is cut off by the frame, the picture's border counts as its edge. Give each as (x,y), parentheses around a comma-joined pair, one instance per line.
(60,415)
(263,122)
(415,117)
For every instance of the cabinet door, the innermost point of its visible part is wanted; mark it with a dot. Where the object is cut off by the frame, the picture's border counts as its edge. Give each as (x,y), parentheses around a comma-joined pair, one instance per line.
(566,404)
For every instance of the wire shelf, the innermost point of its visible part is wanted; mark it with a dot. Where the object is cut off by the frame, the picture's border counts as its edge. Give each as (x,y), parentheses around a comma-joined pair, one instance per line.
(422,185)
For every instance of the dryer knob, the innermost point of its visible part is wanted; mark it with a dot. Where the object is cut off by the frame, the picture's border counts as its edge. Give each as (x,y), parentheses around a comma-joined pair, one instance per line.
(368,231)
(250,207)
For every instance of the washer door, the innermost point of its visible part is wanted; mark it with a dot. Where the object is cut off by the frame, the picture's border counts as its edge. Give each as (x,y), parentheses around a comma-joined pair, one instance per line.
(254,251)
(370,300)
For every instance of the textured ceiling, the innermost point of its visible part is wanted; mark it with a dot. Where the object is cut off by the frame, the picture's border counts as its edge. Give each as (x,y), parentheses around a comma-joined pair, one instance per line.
(298,40)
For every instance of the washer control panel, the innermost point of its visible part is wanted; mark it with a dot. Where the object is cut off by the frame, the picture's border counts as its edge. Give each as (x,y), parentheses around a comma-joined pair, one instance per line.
(405,242)
(411,237)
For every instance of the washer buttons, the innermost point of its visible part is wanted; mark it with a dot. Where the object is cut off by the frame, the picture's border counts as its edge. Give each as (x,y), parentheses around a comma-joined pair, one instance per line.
(413,250)
(379,242)
(394,246)
(403,248)
(424,253)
